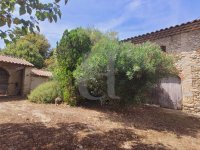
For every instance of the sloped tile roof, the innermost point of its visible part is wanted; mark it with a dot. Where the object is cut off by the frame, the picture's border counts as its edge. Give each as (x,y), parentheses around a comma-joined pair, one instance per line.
(173,30)
(13,60)
(41,73)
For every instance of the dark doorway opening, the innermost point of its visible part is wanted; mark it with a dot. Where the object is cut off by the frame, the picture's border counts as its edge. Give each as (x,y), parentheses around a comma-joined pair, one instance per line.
(4,77)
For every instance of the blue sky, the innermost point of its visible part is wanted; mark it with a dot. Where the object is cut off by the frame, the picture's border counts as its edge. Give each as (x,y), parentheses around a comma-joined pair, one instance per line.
(126,17)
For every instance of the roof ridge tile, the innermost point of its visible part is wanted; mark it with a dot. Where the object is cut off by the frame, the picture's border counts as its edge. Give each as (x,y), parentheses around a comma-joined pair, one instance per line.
(184,27)
(14,60)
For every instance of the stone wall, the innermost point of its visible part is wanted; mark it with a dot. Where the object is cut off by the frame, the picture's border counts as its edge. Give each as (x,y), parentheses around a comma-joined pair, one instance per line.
(15,78)
(27,81)
(185,42)
(188,64)
(195,70)
(185,46)
(20,79)
(37,80)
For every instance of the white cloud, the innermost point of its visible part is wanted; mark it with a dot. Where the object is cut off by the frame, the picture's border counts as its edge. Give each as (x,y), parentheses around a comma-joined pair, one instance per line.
(134,4)
(127,17)
(127,13)
(151,16)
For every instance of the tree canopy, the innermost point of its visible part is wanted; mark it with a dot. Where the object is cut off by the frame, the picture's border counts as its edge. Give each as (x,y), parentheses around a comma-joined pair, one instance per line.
(31,47)
(70,52)
(136,68)
(72,47)
(84,55)
(33,10)
(39,41)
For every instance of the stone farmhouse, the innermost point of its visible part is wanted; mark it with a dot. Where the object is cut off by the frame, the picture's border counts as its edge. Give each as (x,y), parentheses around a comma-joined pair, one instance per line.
(18,77)
(183,41)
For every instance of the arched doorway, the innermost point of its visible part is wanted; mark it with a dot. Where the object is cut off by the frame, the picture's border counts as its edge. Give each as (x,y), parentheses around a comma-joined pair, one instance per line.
(4,77)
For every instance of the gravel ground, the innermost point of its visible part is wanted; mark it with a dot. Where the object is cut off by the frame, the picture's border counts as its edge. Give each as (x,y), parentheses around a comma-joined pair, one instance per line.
(24,126)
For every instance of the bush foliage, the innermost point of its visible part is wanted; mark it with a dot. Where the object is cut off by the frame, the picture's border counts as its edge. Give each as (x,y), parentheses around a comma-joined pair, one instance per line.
(84,55)
(137,68)
(70,52)
(31,47)
(25,50)
(45,93)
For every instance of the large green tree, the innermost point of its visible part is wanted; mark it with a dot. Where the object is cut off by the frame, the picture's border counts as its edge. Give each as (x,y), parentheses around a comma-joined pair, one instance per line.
(25,50)
(30,12)
(39,41)
(70,52)
(72,47)
(31,47)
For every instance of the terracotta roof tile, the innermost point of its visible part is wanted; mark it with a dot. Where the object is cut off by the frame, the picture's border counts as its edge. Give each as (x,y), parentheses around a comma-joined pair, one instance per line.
(41,73)
(13,60)
(174,30)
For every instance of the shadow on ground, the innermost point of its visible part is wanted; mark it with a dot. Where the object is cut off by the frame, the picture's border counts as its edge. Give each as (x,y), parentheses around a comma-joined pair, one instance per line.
(10,98)
(154,118)
(68,136)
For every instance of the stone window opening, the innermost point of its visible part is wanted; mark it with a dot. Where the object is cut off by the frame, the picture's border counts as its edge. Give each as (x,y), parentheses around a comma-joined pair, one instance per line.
(163,48)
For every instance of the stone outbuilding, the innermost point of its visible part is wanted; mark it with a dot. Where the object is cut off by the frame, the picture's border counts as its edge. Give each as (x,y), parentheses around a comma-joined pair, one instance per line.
(18,77)
(183,42)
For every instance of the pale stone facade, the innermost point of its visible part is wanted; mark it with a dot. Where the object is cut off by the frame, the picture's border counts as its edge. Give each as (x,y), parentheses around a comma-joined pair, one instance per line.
(183,41)
(189,66)
(27,80)
(15,78)
(37,80)
(18,77)
(185,47)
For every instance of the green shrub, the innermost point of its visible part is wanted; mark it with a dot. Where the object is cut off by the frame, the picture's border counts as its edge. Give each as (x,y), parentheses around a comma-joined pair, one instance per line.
(84,55)
(69,96)
(45,93)
(137,69)
(70,52)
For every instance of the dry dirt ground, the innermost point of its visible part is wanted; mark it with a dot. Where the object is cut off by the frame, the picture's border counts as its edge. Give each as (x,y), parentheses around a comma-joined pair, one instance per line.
(24,125)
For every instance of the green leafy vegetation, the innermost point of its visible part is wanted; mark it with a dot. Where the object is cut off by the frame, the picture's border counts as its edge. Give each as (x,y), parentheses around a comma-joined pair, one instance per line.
(137,69)
(31,47)
(70,52)
(34,10)
(45,93)
(40,42)
(85,55)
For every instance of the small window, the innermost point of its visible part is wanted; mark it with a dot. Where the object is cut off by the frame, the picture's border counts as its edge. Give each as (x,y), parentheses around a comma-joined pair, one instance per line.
(163,48)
